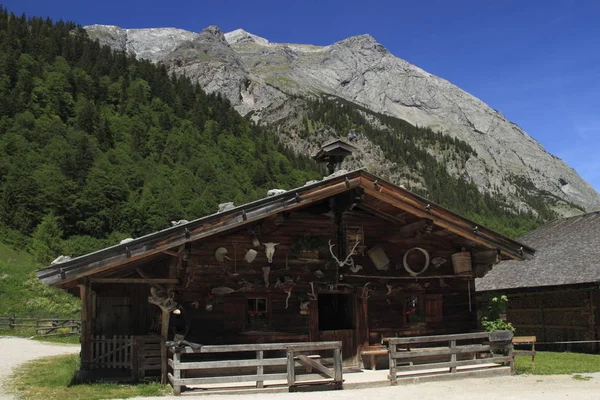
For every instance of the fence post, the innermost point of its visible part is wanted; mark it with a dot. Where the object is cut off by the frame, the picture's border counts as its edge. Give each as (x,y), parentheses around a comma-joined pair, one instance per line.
(337,366)
(291,372)
(11,321)
(453,356)
(260,369)
(393,373)
(176,372)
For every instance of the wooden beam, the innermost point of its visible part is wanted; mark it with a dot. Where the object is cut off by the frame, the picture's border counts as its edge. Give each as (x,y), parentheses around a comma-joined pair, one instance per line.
(135,280)
(443,219)
(407,278)
(410,229)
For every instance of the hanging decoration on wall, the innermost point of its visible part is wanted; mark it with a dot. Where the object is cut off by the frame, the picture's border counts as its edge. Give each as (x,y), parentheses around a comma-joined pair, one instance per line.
(222,290)
(221,254)
(250,255)
(443,284)
(319,274)
(266,272)
(356,268)
(235,273)
(415,286)
(390,288)
(162,299)
(287,287)
(246,286)
(348,260)
(366,292)
(425,265)
(438,262)
(255,241)
(270,250)
(312,295)
(304,308)
(379,258)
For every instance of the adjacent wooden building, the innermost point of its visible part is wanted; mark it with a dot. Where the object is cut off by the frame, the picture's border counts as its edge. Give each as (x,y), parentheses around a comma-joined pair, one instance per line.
(556,295)
(351,258)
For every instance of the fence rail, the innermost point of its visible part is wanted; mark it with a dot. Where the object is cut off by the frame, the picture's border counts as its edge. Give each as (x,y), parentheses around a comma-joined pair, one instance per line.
(427,352)
(42,326)
(272,362)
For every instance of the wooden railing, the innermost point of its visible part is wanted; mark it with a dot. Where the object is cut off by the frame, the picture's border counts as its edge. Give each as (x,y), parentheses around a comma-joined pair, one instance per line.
(42,326)
(492,348)
(269,364)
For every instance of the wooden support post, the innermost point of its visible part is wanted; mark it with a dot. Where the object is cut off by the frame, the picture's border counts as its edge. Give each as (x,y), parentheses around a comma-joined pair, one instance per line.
(164,333)
(176,372)
(260,370)
(393,372)
(453,356)
(291,373)
(313,321)
(362,326)
(87,328)
(337,366)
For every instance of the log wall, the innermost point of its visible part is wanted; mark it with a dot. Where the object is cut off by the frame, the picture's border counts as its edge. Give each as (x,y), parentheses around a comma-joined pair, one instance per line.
(563,315)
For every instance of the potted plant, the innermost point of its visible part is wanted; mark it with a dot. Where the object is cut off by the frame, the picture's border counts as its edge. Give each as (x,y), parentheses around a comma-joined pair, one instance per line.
(308,247)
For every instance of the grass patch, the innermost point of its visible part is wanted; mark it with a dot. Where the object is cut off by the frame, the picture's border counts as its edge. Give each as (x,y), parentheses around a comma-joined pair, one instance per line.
(551,363)
(53,378)
(22,294)
(581,377)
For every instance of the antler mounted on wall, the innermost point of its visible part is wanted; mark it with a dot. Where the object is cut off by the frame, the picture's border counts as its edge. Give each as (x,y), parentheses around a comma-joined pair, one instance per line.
(348,261)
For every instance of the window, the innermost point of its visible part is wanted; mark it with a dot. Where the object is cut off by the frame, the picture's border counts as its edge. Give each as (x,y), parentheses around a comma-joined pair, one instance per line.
(413,309)
(257,314)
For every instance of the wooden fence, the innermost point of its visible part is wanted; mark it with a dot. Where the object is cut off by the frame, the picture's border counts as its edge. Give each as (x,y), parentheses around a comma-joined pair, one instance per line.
(42,326)
(466,349)
(269,364)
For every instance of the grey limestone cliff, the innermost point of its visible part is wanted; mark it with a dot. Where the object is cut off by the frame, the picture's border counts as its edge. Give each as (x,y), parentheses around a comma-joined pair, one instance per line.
(259,76)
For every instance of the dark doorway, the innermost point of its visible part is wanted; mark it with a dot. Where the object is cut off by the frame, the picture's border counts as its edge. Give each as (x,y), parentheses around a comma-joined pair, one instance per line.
(335,312)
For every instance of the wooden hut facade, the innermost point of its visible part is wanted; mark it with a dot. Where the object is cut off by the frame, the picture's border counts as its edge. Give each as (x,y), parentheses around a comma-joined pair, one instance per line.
(351,258)
(556,295)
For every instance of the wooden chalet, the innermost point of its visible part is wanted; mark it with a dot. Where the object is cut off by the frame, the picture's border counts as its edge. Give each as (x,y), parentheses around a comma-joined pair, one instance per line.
(351,259)
(556,295)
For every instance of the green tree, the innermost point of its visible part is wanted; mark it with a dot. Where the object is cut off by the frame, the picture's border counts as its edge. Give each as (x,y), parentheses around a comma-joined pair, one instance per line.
(46,243)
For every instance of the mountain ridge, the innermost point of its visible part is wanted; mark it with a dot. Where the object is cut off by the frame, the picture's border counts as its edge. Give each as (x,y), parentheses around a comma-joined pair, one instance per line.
(260,77)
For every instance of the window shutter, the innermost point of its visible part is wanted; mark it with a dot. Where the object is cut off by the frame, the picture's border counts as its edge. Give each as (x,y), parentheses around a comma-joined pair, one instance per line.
(433,309)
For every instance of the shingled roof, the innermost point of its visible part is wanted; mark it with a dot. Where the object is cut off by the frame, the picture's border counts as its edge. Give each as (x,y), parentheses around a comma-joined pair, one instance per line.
(567,252)
(374,188)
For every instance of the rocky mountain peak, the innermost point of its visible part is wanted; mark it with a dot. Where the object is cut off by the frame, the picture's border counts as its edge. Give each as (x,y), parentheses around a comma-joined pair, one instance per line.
(362,42)
(242,36)
(212,33)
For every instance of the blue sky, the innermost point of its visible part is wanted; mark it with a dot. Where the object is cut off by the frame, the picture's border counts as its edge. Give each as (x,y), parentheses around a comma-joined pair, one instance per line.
(538,62)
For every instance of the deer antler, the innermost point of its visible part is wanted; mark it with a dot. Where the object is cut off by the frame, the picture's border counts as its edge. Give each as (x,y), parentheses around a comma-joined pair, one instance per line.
(348,260)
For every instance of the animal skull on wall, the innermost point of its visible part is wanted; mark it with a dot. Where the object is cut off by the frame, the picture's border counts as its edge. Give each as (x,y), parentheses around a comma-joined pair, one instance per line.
(162,299)
(304,308)
(270,250)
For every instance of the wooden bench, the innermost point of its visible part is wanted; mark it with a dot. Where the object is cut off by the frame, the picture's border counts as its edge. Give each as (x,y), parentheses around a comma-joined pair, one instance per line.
(525,340)
(372,352)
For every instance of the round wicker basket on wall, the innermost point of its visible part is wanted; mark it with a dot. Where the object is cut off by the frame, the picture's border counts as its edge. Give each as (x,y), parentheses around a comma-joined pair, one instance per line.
(462,262)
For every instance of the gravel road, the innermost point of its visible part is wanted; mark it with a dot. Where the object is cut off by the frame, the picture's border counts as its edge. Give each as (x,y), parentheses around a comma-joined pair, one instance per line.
(14,351)
(520,387)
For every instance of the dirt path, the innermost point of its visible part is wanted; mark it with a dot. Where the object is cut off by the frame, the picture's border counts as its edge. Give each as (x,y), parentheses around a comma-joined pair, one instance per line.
(520,387)
(14,351)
